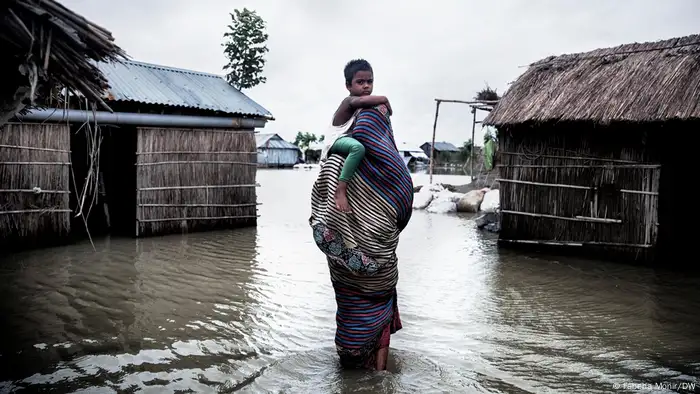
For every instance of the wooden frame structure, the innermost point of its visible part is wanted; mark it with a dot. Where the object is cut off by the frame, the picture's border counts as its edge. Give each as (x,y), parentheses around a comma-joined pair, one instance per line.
(482,105)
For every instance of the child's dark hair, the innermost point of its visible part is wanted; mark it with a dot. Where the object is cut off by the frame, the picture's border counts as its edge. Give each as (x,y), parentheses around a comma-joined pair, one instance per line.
(353,67)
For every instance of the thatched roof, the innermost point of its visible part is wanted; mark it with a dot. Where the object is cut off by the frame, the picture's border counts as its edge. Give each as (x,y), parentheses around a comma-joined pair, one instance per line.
(636,82)
(44,44)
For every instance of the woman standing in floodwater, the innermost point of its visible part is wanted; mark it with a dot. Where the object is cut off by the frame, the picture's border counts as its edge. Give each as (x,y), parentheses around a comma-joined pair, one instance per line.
(361,246)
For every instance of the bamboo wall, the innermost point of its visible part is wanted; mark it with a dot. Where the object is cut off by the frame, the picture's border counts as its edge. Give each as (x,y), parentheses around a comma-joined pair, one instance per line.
(34,183)
(579,186)
(194,180)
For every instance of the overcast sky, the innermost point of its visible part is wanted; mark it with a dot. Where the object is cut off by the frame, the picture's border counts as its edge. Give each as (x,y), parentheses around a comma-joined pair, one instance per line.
(420,50)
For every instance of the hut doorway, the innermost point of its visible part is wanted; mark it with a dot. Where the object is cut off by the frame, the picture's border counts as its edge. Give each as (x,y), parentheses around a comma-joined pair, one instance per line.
(104,179)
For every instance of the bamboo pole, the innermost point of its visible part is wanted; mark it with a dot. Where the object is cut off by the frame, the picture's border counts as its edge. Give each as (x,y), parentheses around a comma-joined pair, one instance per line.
(572,219)
(467,102)
(571,243)
(206,195)
(34,163)
(34,148)
(35,211)
(138,211)
(591,188)
(195,162)
(432,145)
(198,218)
(610,166)
(202,205)
(34,191)
(196,153)
(569,157)
(471,150)
(193,187)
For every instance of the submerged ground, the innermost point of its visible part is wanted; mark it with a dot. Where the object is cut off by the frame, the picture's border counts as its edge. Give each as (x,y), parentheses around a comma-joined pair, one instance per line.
(252,310)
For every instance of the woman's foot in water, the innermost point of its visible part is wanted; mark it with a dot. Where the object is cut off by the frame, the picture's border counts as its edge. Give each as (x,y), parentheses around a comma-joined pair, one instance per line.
(341,197)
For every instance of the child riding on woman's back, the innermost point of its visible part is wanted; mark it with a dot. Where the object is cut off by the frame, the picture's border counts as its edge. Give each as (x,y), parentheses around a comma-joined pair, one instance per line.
(359,80)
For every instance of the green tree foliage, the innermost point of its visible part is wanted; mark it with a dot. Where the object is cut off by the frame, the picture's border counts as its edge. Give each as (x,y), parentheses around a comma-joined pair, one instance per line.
(245,48)
(304,140)
(465,150)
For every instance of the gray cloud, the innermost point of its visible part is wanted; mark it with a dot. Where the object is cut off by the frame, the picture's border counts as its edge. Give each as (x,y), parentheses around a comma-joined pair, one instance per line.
(420,50)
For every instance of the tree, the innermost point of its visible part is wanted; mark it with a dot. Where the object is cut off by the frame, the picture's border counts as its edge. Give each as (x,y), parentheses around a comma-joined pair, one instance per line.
(465,150)
(245,49)
(304,140)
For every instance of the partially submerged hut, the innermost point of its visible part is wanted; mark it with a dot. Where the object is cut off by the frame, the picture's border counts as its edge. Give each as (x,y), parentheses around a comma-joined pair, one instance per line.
(46,48)
(413,156)
(274,151)
(445,152)
(178,153)
(588,157)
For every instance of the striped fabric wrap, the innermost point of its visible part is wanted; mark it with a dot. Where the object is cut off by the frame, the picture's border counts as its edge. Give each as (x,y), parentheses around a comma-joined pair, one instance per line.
(360,247)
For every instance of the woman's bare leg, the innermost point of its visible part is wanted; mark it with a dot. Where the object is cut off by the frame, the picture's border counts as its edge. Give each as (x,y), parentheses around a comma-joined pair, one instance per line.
(382,356)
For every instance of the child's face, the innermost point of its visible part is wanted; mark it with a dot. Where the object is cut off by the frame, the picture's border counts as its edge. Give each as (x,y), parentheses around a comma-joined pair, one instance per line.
(361,84)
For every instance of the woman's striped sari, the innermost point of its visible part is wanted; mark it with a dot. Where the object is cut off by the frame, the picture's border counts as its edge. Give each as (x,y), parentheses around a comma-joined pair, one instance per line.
(361,246)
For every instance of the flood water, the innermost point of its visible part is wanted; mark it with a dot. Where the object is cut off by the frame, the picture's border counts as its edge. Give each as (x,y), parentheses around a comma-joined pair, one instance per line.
(252,311)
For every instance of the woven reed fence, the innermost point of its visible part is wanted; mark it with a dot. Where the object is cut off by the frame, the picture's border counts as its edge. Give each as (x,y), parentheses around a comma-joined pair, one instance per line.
(576,189)
(194,180)
(34,182)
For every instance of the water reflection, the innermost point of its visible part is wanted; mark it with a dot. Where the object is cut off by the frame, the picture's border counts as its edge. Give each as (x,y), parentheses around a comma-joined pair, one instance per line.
(588,324)
(252,310)
(132,306)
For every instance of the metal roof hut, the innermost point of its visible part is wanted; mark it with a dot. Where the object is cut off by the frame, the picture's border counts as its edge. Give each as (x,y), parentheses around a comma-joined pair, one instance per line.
(275,151)
(177,155)
(45,48)
(445,152)
(588,157)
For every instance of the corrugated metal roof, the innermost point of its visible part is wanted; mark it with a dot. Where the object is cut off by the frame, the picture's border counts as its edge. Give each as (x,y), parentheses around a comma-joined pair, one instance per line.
(406,147)
(273,141)
(155,84)
(443,147)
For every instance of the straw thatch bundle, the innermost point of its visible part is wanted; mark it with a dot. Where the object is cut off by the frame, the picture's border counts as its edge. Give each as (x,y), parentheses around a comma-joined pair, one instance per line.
(47,45)
(635,82)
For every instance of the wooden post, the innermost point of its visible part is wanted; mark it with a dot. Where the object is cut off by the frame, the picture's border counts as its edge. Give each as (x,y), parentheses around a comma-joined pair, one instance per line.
(432,145)
(471,151)
(138,211)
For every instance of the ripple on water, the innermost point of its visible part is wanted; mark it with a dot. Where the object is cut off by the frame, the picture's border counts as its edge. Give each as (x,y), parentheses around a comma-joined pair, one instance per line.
(253,310)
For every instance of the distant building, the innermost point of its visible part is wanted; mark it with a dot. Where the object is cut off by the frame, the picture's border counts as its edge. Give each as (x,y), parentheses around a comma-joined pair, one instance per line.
(313,153)
(412,155)
(445,152)
(274,151)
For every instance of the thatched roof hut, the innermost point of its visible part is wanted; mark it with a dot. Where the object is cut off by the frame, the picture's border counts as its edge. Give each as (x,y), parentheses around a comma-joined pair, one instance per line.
(46,45)
(653,81)
(586,158)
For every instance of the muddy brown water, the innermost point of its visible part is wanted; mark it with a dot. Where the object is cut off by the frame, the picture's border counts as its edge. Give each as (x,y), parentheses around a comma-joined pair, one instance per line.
(252,310)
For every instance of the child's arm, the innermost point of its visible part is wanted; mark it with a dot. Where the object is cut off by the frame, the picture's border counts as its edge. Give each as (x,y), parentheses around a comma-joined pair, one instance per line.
(349,104)
(366,101)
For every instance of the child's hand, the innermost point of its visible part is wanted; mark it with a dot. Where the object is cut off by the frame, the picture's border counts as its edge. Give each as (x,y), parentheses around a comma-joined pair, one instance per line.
(385,109)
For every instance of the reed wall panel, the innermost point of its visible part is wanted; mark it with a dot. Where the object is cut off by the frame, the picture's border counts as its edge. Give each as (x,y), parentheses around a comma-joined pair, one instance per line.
(613,203)
(195,180)
(34,156)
